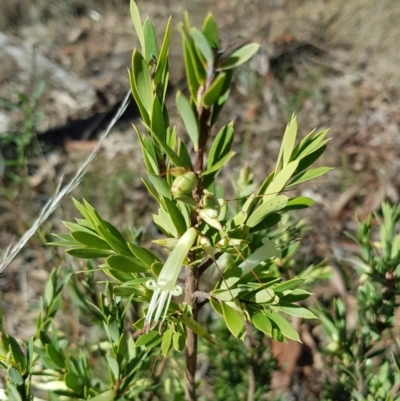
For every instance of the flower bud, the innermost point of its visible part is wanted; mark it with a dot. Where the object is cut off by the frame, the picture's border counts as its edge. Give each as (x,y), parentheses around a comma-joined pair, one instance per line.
(211,206)
(184,184)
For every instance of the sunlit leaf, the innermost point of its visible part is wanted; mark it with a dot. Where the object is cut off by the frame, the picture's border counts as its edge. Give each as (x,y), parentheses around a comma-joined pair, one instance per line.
(240,56)
(189,119)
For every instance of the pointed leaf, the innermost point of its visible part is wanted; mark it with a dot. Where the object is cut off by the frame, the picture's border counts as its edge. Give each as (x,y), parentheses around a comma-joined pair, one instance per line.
(214,92)
(240,56)
(189,119)
(272,206)
(126,264)
(202,44)
(90,240)
(283,325)
(150,41)
(210,31)
(137,22)
(233,320)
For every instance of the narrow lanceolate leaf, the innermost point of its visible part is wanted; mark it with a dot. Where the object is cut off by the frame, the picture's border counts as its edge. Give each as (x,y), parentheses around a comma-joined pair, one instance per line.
(137,23)
(233,320)
(150,41)
(189,67)
(288,285)
(160,185)
(271,206)
(287,146)
(265,252)
(280,180)
(163,56)
(296,310)
(300,202)
(157,123)
(90,240)
(219,164)
(166,341)
(214,92)
(202,44)
(89,253)
(309,175)
(189,119)
(142,80)
(198,329)
(210,31)
(283,325)
(220,147)
(240,56)
(106,396)
(262,323)
(126,264)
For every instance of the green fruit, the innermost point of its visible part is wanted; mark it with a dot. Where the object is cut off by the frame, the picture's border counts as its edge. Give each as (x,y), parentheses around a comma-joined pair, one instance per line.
(184,184)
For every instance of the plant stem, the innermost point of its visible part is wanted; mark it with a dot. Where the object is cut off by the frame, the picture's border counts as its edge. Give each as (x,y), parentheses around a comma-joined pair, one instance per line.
(192,284)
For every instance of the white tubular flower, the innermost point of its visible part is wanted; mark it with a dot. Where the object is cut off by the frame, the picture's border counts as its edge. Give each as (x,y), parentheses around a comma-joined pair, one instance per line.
(165,287)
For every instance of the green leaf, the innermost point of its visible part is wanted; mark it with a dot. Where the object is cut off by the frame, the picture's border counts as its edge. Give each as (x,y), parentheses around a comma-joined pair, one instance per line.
(263,296)
(296,295)
(184,155)
(176,160)
(233,319)
(141,77)
(146,256)
(17,353)
(198,329)
(106,396)
(15,376)
(202,44)
(126,264)
(216,110)
(14,394)
(113,364)
(90,240)
(283,325)
(309,175)
(272,206)
(287,146)
(163,56)
(210,31)
(189,119)
(262,323)
(157,122)
(262,254)
(189,67)
(214,92)
(176,216)
(73,382)
(220,147)
(146,338)
(150,41)
(219,164)
(280,180)
(300,202)
(56,356)
(295,310)
(114,238)
(89,253)
(179,340)
(160,185)
(288,285)
(143,112)
(164,221)
(166,341)
(240,56)
(137,23)
(77,227)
